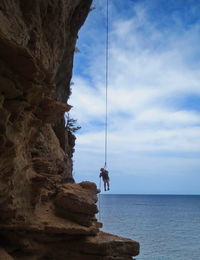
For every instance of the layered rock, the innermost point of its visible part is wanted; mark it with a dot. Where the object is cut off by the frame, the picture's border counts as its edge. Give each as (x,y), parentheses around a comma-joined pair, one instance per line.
(43,213)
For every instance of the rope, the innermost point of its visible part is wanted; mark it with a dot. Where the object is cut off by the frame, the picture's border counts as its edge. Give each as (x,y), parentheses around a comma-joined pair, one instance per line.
(106,107)
(106,81)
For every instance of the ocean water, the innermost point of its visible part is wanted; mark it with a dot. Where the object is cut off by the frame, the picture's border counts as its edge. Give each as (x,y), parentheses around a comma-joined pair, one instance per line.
(166,226)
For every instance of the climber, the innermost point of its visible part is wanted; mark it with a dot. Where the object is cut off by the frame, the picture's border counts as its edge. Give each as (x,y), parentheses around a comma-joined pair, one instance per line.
(105,177)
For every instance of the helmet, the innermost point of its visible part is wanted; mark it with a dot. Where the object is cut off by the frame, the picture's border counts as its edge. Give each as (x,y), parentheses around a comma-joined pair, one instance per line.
(101,169)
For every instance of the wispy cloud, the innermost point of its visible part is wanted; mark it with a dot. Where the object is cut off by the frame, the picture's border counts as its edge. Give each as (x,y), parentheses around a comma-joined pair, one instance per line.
(152,69)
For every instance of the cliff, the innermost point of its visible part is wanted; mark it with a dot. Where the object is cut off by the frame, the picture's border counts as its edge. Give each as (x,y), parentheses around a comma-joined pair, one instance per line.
(44,214)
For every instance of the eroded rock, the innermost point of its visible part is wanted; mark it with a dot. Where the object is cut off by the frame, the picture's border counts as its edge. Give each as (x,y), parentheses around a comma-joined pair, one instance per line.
(43,213)
(4,255)
(77,202)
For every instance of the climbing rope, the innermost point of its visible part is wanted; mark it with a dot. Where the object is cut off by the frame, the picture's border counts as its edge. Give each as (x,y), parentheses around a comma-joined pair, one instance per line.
(106,104)
(106,82)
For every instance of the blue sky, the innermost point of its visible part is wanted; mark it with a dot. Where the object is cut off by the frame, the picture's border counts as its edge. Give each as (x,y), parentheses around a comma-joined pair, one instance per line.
(153,96)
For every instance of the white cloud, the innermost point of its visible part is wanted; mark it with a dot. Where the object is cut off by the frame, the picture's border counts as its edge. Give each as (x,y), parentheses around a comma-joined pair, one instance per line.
(149,70)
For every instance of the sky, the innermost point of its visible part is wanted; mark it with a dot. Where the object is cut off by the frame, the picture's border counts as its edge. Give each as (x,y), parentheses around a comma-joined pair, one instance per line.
(153,96)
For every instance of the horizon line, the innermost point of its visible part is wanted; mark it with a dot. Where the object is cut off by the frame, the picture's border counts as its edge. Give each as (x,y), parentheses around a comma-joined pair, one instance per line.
(150,194)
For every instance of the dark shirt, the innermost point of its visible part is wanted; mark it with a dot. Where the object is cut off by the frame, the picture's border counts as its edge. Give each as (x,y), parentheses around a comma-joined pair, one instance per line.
(104,175)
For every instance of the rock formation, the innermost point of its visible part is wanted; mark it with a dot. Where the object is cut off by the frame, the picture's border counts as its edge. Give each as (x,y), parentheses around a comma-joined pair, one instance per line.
(44,214)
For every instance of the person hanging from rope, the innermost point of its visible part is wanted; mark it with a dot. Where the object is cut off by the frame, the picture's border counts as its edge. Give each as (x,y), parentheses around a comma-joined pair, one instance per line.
(105,177)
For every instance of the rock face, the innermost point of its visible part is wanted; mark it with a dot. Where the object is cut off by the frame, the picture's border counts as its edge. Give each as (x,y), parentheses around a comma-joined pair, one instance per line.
(43,213)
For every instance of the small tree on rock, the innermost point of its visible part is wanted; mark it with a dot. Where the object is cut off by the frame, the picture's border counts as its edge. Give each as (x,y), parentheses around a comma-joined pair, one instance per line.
(71,124)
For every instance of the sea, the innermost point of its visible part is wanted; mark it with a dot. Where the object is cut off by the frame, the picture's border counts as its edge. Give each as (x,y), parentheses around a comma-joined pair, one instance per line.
(166,226)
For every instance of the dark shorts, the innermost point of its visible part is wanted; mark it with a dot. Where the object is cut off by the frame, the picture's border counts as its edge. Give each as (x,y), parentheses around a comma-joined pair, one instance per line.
(106,179)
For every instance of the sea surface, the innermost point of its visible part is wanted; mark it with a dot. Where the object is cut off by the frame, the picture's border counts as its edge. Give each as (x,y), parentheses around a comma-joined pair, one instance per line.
(166,226)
